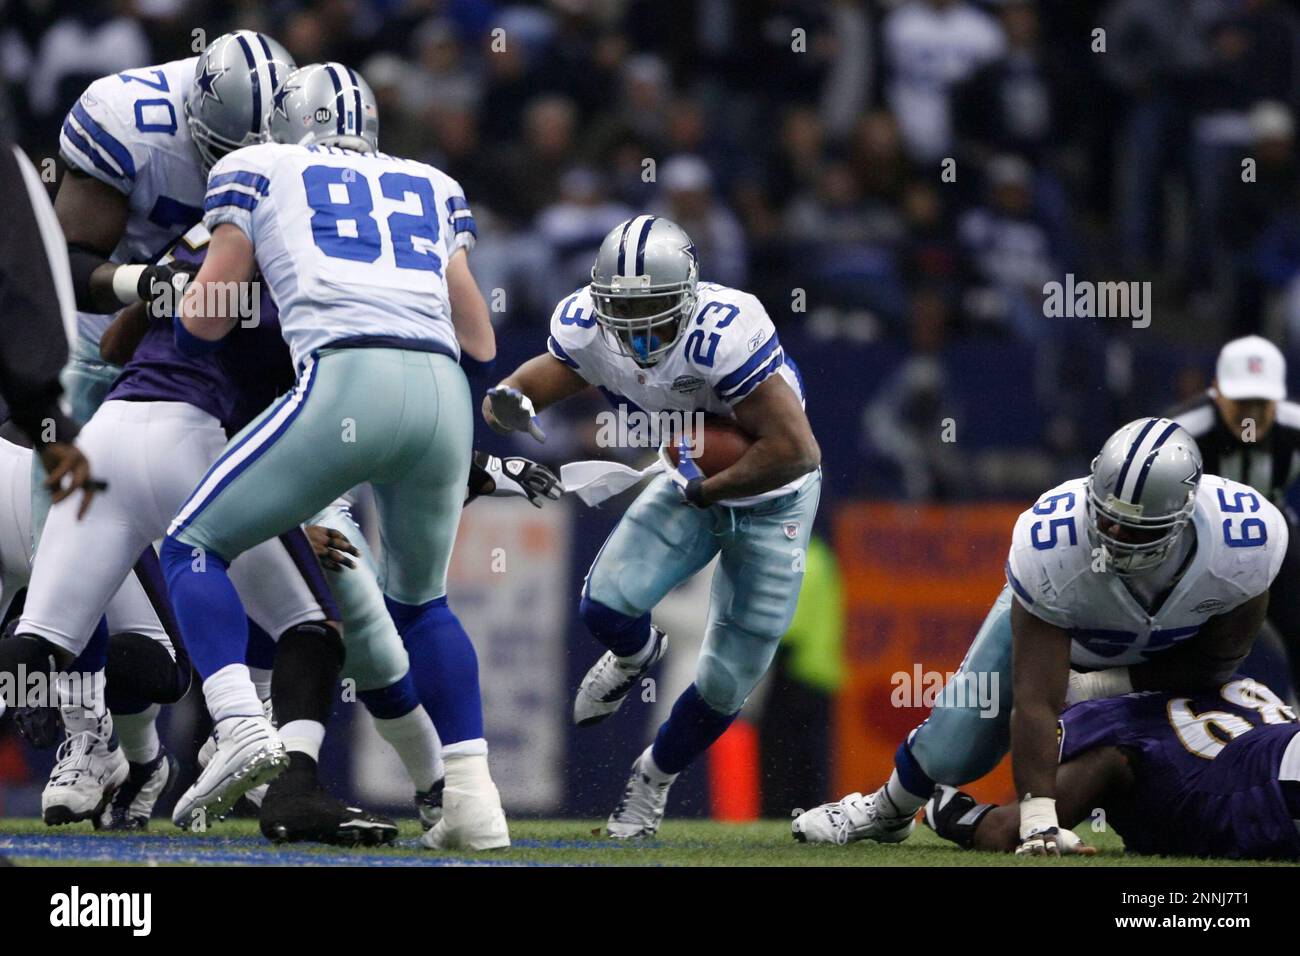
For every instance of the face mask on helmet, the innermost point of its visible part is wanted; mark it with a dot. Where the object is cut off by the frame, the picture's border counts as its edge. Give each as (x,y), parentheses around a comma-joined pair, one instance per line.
(642,327)
(1130,542)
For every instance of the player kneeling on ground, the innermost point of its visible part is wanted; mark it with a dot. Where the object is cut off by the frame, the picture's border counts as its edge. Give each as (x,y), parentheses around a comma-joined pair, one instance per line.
(1144,574)
(1217,774)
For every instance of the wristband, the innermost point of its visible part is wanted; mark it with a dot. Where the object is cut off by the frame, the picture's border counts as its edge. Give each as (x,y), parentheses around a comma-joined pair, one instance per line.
(1037,814)
(126,283)
(1111,682)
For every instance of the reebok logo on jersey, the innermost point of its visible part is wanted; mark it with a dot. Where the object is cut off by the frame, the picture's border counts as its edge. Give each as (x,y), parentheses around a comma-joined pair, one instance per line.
(1209,606)
(756,341)
(686,383)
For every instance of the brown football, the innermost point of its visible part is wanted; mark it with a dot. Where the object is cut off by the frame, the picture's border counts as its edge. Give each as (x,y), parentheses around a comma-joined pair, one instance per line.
(717,446)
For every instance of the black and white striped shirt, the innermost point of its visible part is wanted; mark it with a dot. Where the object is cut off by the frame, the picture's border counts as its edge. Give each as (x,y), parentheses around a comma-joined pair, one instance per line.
(1270,465)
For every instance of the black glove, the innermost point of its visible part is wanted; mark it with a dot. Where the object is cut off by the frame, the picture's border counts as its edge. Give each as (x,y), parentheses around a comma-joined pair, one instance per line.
(166,281)
(511,478)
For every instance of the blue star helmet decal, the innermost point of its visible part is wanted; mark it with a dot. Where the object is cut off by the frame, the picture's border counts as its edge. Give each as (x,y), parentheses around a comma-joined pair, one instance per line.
(277,101)
(207,81)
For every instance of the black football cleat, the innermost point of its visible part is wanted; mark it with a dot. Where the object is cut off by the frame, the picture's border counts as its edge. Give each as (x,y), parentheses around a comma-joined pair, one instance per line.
(292,816)
(954,815)
(134,802)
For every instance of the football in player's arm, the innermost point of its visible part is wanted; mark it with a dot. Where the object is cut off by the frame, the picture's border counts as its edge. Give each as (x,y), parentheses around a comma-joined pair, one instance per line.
(784,447)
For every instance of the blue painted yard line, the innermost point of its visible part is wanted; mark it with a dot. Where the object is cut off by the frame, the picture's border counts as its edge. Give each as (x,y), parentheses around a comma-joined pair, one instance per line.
(208,852)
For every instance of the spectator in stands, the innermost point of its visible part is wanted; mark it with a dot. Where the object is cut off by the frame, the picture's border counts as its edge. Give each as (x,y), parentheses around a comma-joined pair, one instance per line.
(687,198)
(931,46)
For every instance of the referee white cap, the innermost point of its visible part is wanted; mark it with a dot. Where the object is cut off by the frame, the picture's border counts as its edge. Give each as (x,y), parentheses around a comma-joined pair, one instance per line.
(1251,367)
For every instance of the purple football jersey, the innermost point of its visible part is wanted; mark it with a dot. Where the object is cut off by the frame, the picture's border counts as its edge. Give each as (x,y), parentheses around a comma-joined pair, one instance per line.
(232,384)
(1206,770)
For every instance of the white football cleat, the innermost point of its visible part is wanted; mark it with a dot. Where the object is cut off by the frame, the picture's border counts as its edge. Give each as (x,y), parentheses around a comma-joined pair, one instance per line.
(641,810)
(610,680)
(90,768)
(848,820)
(472,818)
(249,753)
(258,793)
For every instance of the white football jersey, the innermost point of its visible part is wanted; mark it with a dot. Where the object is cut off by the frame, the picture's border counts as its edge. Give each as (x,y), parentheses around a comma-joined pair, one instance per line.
(729,347)
(128,130)
(1241,539)
(354,245)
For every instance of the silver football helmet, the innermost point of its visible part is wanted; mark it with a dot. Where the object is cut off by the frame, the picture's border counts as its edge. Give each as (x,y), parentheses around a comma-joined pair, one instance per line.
(643,287)
(234,82)
(1141,493)
(325,104)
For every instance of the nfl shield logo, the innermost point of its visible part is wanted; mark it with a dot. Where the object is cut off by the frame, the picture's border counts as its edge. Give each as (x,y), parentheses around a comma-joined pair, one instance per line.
(791,529)
(1255,365)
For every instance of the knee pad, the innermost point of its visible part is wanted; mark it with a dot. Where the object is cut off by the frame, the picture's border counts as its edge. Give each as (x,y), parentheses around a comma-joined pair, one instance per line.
(140,667)
(720,684)
(317,639)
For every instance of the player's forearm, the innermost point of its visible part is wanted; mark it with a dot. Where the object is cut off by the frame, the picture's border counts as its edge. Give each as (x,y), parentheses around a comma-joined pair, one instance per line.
(1033,748)
(768,464)
(120,339)
(546,381)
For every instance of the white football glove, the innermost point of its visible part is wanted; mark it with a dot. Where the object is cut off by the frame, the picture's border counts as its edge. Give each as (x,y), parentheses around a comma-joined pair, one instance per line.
(513,411)
(513,477)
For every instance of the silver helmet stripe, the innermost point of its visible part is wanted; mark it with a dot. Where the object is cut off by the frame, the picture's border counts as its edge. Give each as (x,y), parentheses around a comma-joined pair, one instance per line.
(1130,481)
(270,62)
(639,227)
(1169,429)
(356,94)
(255,78)
(338,96)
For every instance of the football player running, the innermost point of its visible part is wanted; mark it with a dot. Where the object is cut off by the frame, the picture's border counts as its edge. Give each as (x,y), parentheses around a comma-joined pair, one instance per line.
(1144,575)
(366,257)
(1216,774)
(649,334)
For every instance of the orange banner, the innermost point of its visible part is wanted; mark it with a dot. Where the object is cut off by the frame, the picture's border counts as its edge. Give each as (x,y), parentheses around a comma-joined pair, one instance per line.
(918,581)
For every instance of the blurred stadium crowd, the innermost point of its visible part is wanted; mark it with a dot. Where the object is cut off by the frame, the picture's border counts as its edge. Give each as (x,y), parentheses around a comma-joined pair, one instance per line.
(802,144)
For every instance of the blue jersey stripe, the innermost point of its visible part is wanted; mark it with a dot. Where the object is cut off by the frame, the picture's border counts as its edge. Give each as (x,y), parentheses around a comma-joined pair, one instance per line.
(240,177)
(230,198)
(756,379)
(739,375)
(105,140)
(558,351)
(1017,586)
(90,152)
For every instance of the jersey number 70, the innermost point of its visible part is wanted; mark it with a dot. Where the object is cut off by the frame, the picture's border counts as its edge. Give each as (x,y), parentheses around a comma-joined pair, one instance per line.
(348,229)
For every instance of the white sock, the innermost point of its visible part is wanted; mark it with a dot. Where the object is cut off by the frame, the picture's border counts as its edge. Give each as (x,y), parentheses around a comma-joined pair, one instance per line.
(468,774)
(304,736)
(81,700)
(475,747)
(415,739)
(651,769)
(138,734)
(230,693)
(897,800)
(261,678)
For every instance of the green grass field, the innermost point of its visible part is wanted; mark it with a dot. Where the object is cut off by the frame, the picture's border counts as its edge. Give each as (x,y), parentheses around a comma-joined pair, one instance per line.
(537,842)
